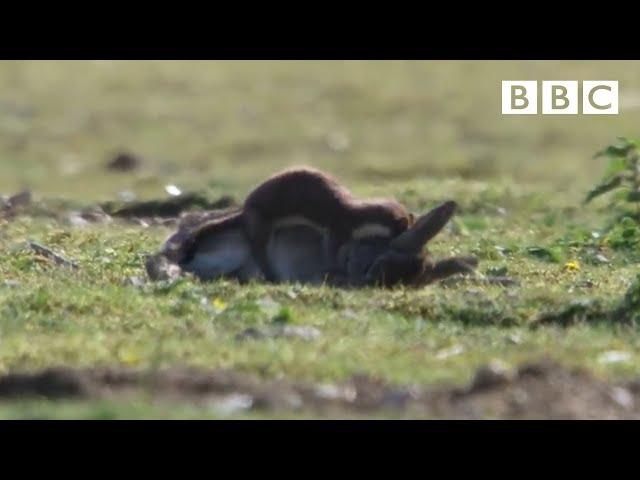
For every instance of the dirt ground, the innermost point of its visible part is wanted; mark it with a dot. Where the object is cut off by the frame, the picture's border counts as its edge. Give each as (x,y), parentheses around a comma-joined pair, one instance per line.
(535,391)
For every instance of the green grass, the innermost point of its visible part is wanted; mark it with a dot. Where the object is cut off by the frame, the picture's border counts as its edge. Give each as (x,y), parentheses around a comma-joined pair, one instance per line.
(420,131)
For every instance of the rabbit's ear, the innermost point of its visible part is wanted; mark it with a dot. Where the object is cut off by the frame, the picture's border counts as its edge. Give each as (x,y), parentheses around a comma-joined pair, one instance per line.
(412,219)
(424,229)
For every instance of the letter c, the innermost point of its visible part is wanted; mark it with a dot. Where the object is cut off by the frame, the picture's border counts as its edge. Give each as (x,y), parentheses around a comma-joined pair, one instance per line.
(593,103)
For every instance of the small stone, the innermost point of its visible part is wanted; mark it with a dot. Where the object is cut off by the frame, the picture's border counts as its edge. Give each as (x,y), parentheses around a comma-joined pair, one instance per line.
(292,295)
(233,403)
(75,220)
(134,281)
(334,392)
(614,356)
(127,196)
(622,397)
(449,352)
(303,332)
(82,219)
(173,190)
(514,339)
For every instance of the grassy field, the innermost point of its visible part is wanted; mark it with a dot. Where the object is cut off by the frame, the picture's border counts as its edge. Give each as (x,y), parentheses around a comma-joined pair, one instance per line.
(420,131)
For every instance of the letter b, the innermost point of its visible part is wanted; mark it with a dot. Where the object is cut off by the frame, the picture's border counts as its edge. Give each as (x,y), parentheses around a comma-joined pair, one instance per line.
(519,97)
(559,97)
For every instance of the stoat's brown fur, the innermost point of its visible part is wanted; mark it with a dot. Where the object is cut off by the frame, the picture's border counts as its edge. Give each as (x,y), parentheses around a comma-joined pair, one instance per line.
(308,196)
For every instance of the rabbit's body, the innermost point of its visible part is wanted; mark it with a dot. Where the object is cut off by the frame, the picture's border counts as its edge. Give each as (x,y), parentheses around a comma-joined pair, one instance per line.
(218,247)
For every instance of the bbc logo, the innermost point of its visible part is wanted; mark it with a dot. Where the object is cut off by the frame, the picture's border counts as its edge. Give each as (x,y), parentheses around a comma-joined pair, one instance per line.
(599,97)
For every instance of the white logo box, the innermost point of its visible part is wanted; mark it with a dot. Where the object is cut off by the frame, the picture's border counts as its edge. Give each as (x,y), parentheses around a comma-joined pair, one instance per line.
(560,97)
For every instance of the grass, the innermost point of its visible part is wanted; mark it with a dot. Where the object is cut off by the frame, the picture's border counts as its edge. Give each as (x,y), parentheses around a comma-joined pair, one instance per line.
(420,131)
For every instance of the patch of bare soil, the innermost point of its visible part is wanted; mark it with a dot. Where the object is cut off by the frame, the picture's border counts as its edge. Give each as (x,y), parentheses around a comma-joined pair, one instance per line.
(10,206)
(170,211)
(124,162)
(541,391)
(535,391)
(171,207)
